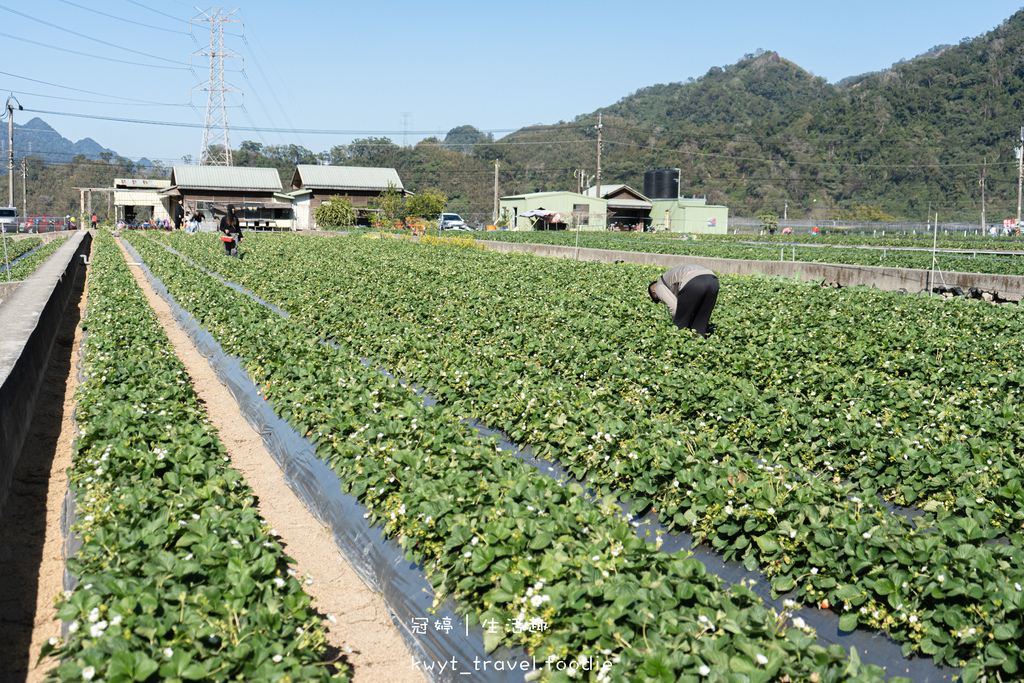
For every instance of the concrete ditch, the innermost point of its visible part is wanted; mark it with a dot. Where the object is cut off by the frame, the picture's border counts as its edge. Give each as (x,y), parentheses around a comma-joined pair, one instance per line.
(30,318)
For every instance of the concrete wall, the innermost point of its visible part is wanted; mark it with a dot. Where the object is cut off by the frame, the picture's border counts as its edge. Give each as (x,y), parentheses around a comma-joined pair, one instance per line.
(7,288)
(31,317)
(1009,287)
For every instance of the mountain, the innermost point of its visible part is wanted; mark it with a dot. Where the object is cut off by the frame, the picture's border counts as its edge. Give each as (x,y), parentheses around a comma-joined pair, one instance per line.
(36,137)
(764,134)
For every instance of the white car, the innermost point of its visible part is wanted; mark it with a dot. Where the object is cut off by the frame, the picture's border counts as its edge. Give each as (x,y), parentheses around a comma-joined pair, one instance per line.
(452,221)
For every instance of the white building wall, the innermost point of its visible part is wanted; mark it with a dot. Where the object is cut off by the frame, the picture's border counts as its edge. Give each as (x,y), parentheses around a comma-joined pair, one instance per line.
(303,213)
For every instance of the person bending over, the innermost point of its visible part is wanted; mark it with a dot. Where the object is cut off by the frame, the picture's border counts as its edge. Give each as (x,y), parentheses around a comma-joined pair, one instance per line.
(690,292)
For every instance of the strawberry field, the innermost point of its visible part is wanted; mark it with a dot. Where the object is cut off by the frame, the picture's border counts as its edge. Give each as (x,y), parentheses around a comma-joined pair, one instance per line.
(27,264)
(790,441)
(176,576)
(972,255)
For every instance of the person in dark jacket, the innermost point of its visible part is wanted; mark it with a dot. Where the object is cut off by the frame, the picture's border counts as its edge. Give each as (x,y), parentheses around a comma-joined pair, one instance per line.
(690,292)
(229,227)
(179,215)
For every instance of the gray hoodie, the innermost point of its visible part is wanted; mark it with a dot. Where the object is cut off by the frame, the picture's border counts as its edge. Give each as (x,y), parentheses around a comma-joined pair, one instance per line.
(672,282)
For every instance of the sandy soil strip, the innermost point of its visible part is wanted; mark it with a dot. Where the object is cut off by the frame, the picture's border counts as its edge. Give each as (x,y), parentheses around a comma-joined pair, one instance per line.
(363,622)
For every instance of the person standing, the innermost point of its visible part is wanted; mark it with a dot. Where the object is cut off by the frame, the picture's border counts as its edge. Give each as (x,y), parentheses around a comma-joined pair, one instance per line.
(94,221)
(231,232)
(179,215)
(690,292)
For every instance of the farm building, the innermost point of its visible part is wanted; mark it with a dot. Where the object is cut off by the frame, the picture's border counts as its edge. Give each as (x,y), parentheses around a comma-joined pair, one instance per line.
(255,193)
(619,207)
(139,199)
(627,208)
(313,185)
(555,211)
(689,215)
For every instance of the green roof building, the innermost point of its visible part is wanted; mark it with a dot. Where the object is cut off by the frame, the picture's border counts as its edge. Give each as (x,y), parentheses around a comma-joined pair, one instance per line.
(554,211)
(689,215)
(619,207)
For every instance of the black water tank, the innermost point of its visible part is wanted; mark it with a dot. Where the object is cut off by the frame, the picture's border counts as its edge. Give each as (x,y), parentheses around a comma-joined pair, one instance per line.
(661,183)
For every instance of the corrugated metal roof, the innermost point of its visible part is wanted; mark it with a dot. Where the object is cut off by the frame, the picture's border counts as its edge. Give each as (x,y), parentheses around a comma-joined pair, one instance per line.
(605,190)
(226,178)
(347,177)
(628,204)
(608,190)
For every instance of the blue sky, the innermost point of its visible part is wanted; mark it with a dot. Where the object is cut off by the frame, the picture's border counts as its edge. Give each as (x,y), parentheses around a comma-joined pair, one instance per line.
(320,73)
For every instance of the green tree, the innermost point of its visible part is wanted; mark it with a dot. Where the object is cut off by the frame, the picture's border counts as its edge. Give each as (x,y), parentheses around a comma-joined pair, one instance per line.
(389,205)
(336,212)
(769,220)
(427,205)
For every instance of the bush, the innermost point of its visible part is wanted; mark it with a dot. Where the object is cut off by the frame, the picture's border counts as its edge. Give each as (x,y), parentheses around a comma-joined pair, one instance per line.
(337,212)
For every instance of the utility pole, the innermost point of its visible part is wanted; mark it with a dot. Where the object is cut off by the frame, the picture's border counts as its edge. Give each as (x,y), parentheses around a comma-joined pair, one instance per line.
(11,101)
(1020,172)
(495,219)
(785,210)
(599,127)
(24,189)
(984,165)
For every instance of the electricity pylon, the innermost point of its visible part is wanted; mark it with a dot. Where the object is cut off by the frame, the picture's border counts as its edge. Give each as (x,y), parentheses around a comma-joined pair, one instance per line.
(216,141)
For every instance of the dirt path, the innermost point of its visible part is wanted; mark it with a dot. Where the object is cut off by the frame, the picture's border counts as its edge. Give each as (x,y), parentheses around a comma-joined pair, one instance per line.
(362,619)
(31,540)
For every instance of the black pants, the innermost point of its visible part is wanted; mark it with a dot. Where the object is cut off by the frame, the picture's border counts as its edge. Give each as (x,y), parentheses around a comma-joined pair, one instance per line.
(695,302)
(231,248)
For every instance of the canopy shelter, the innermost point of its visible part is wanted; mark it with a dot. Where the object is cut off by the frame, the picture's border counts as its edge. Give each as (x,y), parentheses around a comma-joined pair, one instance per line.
(548,217)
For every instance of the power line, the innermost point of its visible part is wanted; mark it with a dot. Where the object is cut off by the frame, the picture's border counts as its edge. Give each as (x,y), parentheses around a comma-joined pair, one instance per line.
(86,54)
(259,101)
(82,35)
(139,4)
(127,21)
(87,92)
(263,74)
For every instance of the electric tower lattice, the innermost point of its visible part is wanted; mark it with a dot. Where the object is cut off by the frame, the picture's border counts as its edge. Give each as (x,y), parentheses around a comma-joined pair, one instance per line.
(216,141)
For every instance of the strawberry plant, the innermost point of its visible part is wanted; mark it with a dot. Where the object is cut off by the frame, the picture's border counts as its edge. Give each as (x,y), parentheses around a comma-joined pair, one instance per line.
(779,441)
(510,545)
(177,577)
(27,265)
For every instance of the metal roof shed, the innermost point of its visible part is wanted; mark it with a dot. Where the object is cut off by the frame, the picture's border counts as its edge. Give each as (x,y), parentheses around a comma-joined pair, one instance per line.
(342,178)
(360,184)
(211,188)
(232,178)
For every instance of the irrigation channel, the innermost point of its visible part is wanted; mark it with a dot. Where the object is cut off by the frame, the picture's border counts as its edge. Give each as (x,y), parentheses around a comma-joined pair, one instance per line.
(381,564)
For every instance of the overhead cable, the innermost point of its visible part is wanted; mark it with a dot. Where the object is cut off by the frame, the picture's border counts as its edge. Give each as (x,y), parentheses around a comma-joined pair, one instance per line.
(87,92)
(86,54)
(127,21)
(82,35)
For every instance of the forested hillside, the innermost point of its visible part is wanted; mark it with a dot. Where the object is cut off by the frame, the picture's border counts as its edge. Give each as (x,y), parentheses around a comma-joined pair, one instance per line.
(49,189)
(758,135)
(764,133)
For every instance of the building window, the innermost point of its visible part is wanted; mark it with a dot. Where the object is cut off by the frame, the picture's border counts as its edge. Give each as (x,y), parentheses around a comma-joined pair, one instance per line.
(581,214)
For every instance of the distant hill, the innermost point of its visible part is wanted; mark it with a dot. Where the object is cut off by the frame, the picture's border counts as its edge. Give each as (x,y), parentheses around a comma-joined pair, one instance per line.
(764,134)
(36,137)
(933,52)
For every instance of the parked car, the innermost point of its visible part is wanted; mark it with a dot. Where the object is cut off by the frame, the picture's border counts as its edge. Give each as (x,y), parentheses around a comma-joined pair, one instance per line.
(9,218)
(46,223)
(452,221)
